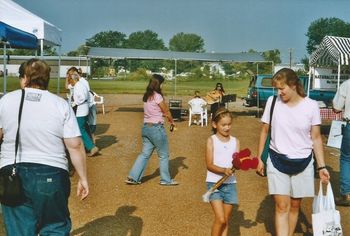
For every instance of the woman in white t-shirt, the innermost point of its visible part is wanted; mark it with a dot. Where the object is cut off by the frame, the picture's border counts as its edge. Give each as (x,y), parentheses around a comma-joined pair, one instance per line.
(47,126)
(153,134)
(295,139)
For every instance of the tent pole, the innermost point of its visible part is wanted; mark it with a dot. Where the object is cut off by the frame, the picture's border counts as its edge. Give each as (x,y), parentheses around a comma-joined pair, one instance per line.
(41,49)
(5,61)
(175,77)
(59,70)
(308,84)
(338,74)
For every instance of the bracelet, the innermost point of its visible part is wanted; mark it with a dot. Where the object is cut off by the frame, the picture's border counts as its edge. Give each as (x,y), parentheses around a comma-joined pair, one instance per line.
(321,167)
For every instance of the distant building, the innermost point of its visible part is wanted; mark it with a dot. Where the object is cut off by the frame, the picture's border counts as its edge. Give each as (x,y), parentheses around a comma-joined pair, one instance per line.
(14,62)
(295,67)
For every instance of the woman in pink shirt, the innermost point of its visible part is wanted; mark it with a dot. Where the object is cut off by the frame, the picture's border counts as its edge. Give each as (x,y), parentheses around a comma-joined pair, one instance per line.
(295,140)
(153,134)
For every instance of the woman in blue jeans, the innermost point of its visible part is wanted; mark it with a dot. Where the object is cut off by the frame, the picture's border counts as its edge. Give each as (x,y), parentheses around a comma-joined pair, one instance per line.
(153,134)
(47,126)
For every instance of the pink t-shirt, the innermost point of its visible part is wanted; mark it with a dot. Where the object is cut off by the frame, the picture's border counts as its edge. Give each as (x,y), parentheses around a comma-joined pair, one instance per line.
(291,126)
(152,111)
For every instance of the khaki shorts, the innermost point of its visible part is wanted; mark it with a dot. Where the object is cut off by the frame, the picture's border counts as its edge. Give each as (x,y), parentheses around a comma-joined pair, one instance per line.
(296,186)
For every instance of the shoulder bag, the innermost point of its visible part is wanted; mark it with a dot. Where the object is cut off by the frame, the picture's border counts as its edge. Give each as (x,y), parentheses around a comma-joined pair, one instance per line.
(265,152)
(11,190)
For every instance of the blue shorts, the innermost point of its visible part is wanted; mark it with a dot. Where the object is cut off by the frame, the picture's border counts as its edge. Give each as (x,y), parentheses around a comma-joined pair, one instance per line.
(226,193)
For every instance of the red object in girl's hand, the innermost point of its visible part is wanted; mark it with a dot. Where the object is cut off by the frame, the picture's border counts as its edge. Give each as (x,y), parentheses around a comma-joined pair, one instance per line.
(242,160)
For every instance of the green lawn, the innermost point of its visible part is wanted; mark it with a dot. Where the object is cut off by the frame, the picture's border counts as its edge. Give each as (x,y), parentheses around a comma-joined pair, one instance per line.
(238,87)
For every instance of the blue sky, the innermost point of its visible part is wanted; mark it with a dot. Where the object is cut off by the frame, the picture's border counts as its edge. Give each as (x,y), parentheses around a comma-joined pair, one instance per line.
(225,25)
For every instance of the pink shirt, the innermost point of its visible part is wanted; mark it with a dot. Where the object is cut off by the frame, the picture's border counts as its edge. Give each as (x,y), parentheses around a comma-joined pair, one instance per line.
(152,111)
(291,126)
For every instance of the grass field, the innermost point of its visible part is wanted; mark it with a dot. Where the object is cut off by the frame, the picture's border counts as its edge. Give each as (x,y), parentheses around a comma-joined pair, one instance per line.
(238,87)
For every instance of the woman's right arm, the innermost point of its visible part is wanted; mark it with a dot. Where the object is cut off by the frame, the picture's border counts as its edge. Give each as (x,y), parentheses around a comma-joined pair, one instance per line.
(263,136)
(77,154)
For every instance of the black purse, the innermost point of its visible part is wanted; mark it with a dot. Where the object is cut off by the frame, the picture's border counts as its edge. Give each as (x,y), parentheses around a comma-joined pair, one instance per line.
(11,189)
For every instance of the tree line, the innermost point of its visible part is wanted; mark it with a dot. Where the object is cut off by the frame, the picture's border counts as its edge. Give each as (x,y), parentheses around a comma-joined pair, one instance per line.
(188,42)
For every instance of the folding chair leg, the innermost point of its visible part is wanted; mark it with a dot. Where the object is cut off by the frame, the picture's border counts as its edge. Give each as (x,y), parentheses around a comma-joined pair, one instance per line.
(103,109)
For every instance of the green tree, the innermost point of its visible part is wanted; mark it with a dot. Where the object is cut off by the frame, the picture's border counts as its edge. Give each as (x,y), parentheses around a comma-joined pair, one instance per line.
(182,42)
(325,26)
(107,39)
(272,55)
(81,50)
(147,40)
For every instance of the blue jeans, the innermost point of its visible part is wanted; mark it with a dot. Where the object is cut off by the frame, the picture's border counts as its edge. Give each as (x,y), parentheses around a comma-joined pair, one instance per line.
(83,125)
(45,210)
(153,137)
(345,161)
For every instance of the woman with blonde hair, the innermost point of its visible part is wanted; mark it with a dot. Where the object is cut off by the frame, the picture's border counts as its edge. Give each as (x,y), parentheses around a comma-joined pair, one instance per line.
(295,141)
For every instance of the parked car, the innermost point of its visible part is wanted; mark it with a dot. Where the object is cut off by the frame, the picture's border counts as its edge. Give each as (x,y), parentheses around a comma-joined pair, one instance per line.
(260,89)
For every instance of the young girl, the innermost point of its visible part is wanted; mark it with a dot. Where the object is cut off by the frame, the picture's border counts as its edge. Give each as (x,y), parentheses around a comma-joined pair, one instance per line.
(220,147)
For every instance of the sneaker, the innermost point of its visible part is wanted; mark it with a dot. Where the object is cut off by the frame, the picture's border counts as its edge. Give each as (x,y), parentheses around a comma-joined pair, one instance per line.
(343,200)
(131,181)
(93,151)
(172,183)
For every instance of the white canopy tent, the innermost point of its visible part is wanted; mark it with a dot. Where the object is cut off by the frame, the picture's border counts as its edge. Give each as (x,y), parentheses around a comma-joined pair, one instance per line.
(332,51)
(15,15)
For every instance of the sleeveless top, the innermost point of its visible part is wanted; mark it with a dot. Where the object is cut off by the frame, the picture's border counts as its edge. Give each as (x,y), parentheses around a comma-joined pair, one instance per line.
(222,157)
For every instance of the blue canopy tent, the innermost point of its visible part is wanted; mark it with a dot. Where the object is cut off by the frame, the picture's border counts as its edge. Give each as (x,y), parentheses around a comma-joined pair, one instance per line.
(14,38)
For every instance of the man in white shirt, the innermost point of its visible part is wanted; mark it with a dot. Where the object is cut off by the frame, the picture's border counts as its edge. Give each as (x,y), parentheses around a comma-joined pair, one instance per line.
(342,101)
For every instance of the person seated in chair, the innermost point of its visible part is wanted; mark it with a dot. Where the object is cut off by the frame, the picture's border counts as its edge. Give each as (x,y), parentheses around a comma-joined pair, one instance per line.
(214,97)
(197,104)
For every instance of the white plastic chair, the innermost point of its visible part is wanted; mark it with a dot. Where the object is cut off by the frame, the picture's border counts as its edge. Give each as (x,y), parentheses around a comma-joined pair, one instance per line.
(100,101)
(203,114)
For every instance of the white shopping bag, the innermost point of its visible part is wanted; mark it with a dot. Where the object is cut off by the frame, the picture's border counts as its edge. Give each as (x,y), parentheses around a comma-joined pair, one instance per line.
(325,218)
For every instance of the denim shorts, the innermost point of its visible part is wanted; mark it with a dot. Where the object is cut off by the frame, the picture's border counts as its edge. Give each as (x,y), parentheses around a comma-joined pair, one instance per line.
(226,193)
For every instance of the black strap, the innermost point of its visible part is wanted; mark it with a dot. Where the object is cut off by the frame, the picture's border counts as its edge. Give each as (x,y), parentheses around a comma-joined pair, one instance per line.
(19,122)
(271,112)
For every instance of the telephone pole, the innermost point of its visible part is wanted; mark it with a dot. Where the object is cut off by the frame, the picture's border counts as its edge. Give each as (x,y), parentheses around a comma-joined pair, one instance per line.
(290,58)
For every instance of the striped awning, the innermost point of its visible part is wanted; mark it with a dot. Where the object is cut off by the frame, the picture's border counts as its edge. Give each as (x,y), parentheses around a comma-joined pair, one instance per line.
(331,51)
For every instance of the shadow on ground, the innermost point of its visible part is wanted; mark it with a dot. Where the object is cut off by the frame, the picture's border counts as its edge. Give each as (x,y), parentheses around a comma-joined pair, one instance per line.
(102,128)
(104,141)
(122,223)
(239,221)
(174,166)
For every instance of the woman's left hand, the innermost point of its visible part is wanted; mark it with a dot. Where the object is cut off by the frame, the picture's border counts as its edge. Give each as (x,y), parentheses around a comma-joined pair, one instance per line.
(324,175)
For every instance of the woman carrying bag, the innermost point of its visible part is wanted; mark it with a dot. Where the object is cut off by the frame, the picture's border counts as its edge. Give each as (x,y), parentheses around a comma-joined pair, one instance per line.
(295,140)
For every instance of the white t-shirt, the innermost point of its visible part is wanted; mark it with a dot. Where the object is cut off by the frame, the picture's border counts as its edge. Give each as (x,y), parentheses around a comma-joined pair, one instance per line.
(291,126)
(222,157)
(87,85)
(197,105)
(342,99)
(81,97)
(46,120)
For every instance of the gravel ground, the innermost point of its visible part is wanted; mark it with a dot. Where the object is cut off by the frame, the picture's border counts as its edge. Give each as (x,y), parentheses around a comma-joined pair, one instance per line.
(114,208)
